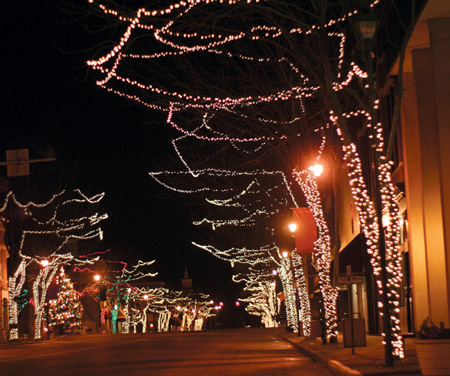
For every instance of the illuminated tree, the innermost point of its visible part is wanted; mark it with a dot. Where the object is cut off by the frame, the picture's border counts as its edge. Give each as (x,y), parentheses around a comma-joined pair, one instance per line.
(262,300)
(66,310)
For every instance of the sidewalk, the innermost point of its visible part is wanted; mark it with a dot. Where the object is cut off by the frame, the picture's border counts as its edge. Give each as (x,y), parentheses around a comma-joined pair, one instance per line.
(368,360)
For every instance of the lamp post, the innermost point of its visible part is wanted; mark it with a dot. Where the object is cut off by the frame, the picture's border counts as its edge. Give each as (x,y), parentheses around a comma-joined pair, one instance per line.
(367,24)
(97,279)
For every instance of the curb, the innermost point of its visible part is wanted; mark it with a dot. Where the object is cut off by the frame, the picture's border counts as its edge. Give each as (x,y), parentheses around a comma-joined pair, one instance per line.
(334,366)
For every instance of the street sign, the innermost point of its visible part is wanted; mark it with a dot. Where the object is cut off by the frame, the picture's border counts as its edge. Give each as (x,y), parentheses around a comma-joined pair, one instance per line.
(18,162)
(345,280)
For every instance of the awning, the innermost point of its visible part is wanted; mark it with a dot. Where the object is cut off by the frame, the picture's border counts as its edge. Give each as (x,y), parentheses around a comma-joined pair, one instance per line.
(354,254)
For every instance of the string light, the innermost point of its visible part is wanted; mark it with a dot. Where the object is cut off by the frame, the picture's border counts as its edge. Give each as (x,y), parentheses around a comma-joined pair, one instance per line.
(163,25)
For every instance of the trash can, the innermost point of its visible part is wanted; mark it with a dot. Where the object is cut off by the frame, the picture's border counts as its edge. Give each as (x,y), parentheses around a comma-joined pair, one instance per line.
(359,332)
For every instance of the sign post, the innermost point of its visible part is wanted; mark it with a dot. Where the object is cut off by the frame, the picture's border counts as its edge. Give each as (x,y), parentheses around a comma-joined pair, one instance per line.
(350,302)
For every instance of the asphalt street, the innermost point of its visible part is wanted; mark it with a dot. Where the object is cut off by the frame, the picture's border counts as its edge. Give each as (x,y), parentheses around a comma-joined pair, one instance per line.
(223,352)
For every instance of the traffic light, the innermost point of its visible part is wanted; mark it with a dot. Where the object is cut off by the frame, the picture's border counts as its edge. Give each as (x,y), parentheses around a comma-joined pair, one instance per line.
(102,293)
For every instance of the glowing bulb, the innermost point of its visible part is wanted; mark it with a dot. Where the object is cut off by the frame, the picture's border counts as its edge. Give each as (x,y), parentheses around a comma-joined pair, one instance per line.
(97,277)
(285,254)
(292,227)
(386,220)
(44,263)
(317,169)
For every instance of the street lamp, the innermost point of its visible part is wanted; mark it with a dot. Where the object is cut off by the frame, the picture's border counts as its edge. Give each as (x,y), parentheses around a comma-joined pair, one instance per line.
(367,24)
(44,263)
(292,227)
(97,277)
(316,169)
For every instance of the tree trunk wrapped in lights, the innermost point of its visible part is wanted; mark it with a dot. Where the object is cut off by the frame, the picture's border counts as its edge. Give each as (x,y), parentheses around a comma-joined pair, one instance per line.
(370,225)
(302,289)
(15,286)
(287,280)
(322,250)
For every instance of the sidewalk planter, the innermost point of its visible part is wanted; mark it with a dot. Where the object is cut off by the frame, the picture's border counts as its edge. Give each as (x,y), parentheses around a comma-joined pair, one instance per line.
(434,356)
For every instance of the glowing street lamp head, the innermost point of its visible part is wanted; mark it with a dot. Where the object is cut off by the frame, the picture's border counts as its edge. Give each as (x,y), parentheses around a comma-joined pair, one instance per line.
(274,272)
(285,254)
(97,277)
(292,227)
(145,296)
(316,169)
(45,263)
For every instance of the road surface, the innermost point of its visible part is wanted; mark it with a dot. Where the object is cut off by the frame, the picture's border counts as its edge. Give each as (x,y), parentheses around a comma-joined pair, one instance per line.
(223,352)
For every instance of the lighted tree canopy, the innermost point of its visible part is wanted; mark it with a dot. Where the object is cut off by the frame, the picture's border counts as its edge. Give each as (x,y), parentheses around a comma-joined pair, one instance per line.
(248,82)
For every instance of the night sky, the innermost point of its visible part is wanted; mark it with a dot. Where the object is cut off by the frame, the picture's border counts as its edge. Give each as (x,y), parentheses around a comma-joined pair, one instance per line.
(102,144)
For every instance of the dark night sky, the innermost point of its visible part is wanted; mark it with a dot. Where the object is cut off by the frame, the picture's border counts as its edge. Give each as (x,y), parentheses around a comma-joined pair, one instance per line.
(101,142)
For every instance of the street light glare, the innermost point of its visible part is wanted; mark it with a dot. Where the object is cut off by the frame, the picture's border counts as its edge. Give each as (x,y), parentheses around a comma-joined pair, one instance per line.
(97,277)
(285,254)
(292,227)
(316,169)
(44,263)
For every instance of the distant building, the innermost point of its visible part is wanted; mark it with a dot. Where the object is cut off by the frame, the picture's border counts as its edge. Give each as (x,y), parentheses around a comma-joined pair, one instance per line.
(186,284)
